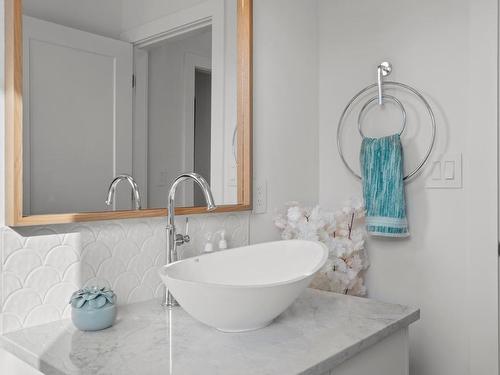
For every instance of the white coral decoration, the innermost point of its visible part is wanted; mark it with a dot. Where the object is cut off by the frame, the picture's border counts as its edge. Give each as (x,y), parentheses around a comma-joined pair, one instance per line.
(342,232)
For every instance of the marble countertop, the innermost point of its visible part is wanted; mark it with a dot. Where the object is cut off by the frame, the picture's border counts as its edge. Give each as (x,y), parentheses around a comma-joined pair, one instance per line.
(318,332)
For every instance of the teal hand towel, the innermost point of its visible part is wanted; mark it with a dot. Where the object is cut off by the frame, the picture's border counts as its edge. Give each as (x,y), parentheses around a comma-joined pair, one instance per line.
(383,186)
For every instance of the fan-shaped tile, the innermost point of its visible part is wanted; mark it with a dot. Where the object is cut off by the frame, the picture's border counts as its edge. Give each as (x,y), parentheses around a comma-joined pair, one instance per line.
(124,286)
(231,222)
(21,302)
(86,273)
(10,322)
(73,274)
(139,232)
(74,241)
(42,314)
(43,244)
(99,282)
(125,250)
(85,236)
(95,253)
(184,252)
(11,242)
(139,294)
(195,224)
(151,278)
(110,269)
(160,259)
(159,290)
(42,279)
(10,284)
(58,296)
(154,246)
(22,262)
(159,230)
(110,234)
(140,264)
(237,238)
(61,257)
(67,312)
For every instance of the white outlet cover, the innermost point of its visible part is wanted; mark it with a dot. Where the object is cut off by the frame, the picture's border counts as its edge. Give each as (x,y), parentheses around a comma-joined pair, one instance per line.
(260,197)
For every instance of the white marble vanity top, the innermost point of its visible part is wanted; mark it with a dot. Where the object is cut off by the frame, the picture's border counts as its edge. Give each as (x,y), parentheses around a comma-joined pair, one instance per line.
(318,332)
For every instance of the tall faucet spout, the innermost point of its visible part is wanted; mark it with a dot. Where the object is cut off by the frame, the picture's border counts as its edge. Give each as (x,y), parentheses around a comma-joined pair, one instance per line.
(173,239)
(205,188)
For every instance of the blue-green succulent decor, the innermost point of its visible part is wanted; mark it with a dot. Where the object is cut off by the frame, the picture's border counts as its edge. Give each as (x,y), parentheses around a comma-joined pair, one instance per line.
(93,308)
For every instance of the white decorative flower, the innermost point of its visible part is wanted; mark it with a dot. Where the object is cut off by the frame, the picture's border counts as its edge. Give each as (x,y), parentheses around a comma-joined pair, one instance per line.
(342,247)
(295,215)
(280,222)
(287,234)
(355,263)
(344,235)
(292,204)
(339,265)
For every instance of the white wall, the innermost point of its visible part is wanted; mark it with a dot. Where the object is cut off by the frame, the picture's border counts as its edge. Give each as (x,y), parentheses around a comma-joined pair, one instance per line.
(285,107)
(431,45)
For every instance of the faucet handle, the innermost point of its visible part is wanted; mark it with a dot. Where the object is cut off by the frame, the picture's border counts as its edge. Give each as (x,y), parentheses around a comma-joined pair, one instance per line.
(186,236)
(182,239)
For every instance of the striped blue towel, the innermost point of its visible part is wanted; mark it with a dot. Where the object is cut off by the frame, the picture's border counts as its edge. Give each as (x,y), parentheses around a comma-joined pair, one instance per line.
(383,187)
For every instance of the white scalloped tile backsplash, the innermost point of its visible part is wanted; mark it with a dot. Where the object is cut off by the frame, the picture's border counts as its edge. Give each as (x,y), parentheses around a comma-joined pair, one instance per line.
(42,266)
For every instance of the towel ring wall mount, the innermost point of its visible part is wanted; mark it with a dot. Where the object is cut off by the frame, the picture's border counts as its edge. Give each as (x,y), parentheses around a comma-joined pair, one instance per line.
(383,70)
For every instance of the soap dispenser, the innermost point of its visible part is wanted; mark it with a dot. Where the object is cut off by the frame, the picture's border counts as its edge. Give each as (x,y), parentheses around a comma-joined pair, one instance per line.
(209,246)
(222,242)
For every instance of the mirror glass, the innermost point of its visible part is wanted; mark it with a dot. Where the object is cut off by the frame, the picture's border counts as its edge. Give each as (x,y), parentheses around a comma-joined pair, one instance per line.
(145,89)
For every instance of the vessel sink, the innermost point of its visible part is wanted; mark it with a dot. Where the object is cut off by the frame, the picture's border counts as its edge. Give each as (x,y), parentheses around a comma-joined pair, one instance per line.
(245,288)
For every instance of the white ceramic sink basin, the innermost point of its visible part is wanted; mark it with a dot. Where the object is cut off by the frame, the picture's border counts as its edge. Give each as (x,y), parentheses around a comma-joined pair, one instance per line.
(245,288)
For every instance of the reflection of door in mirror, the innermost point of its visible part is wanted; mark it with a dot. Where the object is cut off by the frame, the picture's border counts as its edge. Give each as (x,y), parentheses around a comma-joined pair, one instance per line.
(178,114)
(120,87)
(202,128)
(77,118)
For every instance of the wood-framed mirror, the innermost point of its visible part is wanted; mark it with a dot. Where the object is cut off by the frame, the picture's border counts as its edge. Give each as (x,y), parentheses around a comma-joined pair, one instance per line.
(97,89)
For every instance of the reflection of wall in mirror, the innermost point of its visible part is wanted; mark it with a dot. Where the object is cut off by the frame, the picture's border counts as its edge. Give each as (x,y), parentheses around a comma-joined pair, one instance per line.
(230,103)
(94,16)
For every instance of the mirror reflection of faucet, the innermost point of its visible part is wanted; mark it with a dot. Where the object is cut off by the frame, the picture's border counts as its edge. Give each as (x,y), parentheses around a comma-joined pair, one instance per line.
(135,190)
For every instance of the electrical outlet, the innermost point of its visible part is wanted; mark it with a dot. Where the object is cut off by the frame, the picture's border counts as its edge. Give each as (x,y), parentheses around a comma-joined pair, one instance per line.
(260,197)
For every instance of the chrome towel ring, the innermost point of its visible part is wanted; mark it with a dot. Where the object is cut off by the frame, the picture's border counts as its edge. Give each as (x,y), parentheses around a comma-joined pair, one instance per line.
(386,97)
(383,70)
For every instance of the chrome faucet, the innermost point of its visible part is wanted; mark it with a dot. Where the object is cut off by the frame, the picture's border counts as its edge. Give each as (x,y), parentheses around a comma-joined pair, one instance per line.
(173,238)
(133,184)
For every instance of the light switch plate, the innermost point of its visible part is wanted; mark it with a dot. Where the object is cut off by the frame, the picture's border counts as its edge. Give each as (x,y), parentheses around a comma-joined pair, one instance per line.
(446,172)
